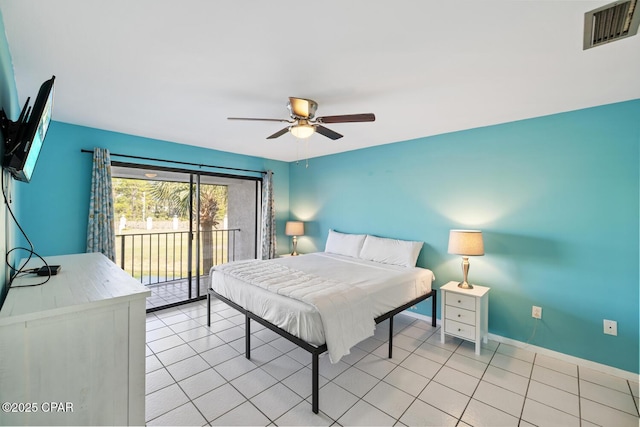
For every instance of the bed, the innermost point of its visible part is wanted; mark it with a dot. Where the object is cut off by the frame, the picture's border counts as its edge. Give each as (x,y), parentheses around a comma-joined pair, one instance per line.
(326,301)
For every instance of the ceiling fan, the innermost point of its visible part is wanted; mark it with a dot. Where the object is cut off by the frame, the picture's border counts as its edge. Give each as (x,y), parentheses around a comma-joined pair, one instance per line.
(303,122)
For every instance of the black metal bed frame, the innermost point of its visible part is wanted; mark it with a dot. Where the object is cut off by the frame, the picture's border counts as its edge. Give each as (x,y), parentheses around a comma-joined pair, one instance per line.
(315,351)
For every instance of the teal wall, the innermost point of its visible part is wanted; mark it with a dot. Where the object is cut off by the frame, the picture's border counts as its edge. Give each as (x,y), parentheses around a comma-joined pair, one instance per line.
(54,206)
(556,198)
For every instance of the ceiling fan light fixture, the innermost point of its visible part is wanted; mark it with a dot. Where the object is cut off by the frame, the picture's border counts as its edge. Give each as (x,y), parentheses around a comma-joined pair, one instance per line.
(302,131)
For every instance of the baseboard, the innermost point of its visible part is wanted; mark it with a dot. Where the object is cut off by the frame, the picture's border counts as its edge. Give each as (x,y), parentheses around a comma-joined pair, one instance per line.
(606,369)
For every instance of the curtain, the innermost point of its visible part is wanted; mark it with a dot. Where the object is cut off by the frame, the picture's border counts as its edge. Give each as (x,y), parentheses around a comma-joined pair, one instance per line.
(101,228)
(268,218)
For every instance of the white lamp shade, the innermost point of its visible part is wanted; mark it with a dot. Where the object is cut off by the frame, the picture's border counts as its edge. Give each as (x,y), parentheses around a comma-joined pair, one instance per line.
(302,131)
(294,228)
(466,242)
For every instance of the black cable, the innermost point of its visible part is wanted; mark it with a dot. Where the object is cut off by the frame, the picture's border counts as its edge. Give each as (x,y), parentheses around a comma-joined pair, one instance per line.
(20,271)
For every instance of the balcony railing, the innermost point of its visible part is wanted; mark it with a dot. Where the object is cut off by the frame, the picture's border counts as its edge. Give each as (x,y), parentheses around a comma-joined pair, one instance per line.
(164,257)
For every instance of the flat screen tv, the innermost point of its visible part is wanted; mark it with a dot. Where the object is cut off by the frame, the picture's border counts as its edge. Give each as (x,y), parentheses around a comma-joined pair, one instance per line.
(24,138)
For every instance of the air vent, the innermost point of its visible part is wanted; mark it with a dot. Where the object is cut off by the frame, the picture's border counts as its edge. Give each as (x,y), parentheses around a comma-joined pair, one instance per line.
(612,22)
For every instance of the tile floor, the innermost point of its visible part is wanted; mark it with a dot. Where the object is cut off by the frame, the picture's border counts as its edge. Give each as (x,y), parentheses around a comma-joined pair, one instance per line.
(172,292)
(199,376)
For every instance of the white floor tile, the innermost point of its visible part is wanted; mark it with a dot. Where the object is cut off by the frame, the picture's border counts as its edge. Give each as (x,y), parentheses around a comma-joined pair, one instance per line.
(425,367)
(205,343)
(185,415)
(456,380)
(165,343)
(187,367)
(423,414)
(164,400)
(334,400)
(363,414)
(480,414)
(556,379)
(281,367)
(301,415)
(276,401)
(219,355)
(557,365)
(253,382)
(356,381)
(467,365)
(218,401)
(201,383)
(604,380)
(300,382)
(158,379)
(175,354)
(515,352)
(512,364)
(606,396)
(243,415)
(554,397)
(389,399)
(541,415)
(373,365)
(444,398)
(505,379)
(406,380)
(500,398)
(233,368)
(432,352)
(606,416)
(152,363)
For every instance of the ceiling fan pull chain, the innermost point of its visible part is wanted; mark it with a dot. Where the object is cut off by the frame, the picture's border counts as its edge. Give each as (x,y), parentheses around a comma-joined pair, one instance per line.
(306,154)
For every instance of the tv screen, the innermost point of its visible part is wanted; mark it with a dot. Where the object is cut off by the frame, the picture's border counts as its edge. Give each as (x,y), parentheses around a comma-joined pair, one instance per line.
(22,153)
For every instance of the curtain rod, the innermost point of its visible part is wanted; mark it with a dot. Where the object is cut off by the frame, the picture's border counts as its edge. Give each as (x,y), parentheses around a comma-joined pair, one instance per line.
(178,162)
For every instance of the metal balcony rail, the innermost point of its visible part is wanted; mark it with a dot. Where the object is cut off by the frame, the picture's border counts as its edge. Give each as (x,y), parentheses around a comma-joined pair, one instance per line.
(161,257)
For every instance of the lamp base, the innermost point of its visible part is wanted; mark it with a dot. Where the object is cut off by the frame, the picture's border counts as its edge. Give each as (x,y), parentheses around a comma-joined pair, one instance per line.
(465,285)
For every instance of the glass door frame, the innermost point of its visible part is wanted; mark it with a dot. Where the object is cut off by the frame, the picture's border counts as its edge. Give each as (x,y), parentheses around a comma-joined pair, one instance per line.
(195,183)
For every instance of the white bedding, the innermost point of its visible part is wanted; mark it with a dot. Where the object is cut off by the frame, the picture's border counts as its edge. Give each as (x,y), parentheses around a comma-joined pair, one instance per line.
(376,289)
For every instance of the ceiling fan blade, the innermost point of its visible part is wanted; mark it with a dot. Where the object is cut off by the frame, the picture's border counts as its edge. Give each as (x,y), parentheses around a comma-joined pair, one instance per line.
(348,118)
(279,133)
(328,132)
(303,108)
(260,120)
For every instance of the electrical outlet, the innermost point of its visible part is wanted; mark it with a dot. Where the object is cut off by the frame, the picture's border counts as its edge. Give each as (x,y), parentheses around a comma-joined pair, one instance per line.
(536,312)
(610,327)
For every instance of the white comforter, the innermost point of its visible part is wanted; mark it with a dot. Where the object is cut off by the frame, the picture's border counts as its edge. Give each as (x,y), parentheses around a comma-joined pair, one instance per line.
(345,310)
(321,297)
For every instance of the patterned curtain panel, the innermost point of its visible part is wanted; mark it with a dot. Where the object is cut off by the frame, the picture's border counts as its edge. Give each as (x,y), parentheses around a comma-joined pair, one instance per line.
(101,229)
(268,218)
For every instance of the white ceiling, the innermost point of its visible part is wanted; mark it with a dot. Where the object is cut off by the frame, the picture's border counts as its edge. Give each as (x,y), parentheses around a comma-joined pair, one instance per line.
(176,69)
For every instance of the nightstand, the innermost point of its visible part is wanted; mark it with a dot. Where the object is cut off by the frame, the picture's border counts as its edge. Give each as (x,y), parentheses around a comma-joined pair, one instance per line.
(465,313)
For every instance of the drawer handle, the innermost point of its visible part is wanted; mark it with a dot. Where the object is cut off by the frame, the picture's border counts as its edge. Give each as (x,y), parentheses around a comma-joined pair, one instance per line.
(459,329)
(459,302)
(459,315)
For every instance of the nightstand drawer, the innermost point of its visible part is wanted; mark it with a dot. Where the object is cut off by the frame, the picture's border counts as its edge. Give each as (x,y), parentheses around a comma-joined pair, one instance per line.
(460,329)
(461,315)
(467,302)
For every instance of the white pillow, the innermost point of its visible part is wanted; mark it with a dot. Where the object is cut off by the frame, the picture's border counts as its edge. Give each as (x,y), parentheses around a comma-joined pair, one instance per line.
(391,251)
(344,244)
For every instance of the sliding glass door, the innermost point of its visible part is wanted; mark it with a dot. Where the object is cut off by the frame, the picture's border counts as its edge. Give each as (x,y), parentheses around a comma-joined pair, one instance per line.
(173,226)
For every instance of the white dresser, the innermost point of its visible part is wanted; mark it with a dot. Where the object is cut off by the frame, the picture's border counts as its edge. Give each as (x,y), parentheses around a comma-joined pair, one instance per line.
(465,313)
(72,351)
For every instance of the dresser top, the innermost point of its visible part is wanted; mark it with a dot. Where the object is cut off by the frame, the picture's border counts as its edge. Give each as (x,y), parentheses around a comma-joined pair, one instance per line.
(85,281)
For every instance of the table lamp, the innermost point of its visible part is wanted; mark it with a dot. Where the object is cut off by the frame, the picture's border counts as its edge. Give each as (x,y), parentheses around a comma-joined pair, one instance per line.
(295,229)
(466,243)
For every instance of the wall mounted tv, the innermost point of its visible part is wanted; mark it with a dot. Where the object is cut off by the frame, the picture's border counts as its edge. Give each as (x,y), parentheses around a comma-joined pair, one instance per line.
(24,137)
